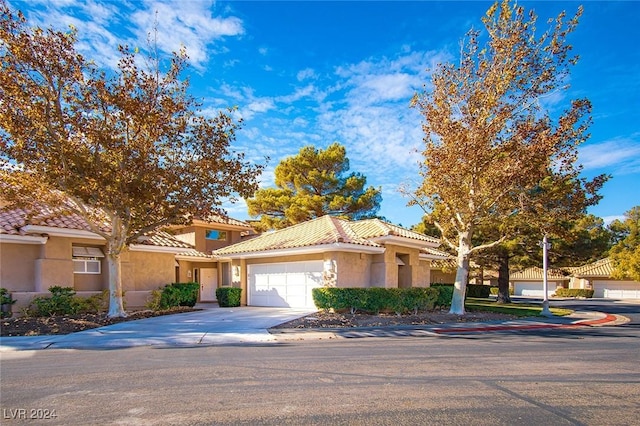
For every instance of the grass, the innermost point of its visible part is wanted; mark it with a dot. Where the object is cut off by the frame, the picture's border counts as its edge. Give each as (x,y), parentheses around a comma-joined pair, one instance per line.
(517,309)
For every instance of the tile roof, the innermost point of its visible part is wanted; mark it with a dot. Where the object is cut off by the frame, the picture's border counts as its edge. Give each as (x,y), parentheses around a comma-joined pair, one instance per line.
(162,239)
(12,221)
(535,273)
(371,228)
(226,220)
(320,231)
(599,268)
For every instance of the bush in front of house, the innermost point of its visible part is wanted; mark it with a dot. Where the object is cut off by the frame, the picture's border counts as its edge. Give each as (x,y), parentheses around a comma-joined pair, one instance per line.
(63,301)
(495,290)
(445,294)
(173,295)
(574,292)
(6,301)
(478,290)
(375,299)
(228,297)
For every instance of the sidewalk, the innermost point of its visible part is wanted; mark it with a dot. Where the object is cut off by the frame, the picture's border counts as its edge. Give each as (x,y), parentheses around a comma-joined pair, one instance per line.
(250,325)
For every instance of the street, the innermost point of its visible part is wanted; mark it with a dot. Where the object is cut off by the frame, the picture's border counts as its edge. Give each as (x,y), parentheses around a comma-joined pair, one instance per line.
(588,376)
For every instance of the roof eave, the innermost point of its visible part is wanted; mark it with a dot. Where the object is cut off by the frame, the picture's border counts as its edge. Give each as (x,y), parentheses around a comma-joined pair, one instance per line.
(404,241)
(62,232)
(322,248)
(22,239)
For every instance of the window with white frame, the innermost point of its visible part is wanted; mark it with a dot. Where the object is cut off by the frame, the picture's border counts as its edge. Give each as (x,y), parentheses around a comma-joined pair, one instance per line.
(87,260)
(214,234)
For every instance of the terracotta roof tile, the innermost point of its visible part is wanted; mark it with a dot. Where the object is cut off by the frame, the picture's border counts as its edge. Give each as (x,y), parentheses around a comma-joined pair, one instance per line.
(162,239)
(319,231)
(599,268)
(535,273)
(371,228)
(227,221)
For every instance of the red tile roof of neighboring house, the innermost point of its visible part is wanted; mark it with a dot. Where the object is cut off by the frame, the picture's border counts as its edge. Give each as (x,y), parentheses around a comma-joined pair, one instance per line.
(320,231)
(599,268)
(13,222)
(535,273)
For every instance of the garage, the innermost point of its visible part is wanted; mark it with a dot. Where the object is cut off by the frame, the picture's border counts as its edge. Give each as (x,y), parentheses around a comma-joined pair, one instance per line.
(286,284)
(533,289)
(616,289)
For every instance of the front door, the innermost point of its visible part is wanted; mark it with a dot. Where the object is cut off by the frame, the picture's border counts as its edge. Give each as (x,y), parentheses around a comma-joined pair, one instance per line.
(208,284)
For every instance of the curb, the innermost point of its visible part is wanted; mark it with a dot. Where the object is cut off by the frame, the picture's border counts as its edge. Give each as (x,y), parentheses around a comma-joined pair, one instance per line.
(602,319)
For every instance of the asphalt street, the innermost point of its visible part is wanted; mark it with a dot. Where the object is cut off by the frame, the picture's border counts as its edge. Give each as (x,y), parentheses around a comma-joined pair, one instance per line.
(562,376)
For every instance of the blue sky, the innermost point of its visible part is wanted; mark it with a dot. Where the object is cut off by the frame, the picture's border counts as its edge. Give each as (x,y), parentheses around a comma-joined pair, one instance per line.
(314,72)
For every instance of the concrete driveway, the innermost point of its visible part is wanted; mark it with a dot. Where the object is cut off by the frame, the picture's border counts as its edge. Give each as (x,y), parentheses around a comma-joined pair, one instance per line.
(206,327)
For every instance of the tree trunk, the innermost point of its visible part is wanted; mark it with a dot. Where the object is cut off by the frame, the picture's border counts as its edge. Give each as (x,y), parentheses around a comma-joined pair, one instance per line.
(503,278)
(116,306)
(462,274)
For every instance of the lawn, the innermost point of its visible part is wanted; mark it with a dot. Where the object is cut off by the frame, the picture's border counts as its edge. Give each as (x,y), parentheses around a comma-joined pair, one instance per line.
(517,309)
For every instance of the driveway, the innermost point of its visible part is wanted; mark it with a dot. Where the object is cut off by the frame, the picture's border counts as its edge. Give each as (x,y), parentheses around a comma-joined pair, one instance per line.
(206,327)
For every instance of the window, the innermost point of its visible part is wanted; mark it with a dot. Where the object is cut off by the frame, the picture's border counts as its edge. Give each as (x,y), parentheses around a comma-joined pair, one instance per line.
(213,234)
(87,260)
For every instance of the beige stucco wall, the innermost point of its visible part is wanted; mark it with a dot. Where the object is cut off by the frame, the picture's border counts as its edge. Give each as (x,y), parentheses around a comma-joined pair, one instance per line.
(17,266)
(353,269)
(148,270)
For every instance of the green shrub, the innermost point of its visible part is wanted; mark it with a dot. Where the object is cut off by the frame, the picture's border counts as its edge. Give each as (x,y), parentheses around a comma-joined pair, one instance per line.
(574,292)
(94,304)
(494,290)
(228,297)
(478,291)
(63,301)
(445,294)
(375,299)
(6,301)
(175,294)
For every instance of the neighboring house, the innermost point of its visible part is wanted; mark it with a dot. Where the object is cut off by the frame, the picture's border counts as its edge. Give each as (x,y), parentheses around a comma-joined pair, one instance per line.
(280,268)
(597,276)
(529,282)
(52,249)
(444,268)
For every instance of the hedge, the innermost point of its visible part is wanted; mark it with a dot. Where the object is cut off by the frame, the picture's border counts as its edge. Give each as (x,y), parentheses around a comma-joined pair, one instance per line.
(228,297)
(574,292)
(178,294)
(375,299)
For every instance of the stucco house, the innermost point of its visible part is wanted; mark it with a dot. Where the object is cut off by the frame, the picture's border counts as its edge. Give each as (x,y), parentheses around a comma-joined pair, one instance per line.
(47,249)
(597,276)
(280,268)
(529,282)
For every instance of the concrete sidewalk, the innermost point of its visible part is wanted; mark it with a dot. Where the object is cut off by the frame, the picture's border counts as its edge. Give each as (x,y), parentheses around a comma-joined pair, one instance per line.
(249,325)
(207,327)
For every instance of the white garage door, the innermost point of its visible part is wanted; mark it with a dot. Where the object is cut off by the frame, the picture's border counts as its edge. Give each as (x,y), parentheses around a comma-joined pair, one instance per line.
(616,289)
(286,284)
(533,289)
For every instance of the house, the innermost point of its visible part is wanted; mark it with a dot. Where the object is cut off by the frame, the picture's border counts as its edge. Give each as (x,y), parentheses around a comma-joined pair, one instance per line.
(205,236)
(53,249)
(597,276)
(280,268)
(529,282)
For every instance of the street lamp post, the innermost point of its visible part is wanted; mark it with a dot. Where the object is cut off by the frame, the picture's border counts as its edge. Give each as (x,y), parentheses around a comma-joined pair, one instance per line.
(545,284)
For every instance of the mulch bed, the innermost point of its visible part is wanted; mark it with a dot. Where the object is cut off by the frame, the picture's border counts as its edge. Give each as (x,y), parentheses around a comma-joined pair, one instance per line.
(29,326)
(40,326)
(323,319)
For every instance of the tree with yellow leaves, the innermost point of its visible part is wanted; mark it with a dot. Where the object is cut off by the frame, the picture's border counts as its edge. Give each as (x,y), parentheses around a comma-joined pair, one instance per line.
(129,151)
(490,144)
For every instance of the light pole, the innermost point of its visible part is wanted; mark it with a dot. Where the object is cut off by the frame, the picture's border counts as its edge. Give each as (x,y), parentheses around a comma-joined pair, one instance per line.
(545,284)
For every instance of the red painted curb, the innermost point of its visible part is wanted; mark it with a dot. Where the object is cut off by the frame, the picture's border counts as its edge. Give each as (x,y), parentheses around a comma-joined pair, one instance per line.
(608,318)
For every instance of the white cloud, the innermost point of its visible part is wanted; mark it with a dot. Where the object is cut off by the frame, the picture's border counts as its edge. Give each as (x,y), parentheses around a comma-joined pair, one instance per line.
(191,25)
(305,74)
(623,154)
